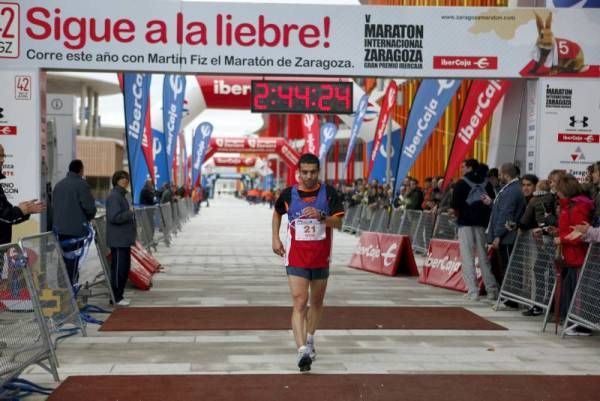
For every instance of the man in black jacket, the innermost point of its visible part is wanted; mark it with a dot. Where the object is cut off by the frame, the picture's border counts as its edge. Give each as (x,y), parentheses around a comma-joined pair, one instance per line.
(72,209)
(414,197)
(10,214)
(148,194)
(471,200)
(120,234)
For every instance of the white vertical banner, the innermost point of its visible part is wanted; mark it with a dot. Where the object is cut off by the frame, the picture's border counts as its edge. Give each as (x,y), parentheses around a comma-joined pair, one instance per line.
(61,135)
(21,134)
(531,143)
(569,126)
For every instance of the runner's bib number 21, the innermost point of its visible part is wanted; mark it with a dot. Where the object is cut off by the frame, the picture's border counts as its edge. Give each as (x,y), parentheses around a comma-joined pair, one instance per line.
(310,230)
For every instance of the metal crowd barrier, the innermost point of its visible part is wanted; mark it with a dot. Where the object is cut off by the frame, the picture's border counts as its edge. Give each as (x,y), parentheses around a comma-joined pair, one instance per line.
(585,306)
(380,220)
(24,336)
(183,210)
(366,214)
(176,218)
(144,217)
(350,217)
(51,283)
(395,221)
(355,223)
(190,207)
(423,233)
(445,227)
(103,277)
(161,233)
(166,212)
(410,222)
(530,277)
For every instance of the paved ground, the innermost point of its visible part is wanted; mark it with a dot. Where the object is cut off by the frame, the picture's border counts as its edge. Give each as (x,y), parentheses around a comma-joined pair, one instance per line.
(223,257)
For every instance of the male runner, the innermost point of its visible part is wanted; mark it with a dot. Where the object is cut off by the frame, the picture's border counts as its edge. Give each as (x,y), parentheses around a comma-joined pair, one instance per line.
(313,209)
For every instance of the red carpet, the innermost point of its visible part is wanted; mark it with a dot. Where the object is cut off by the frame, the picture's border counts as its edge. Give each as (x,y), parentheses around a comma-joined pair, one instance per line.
(278,318)
(311,387)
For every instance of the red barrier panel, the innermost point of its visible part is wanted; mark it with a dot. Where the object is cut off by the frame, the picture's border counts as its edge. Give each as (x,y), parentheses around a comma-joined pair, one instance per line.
(145,258)
(443,266)
(15,300)
(138,275)
(387,254)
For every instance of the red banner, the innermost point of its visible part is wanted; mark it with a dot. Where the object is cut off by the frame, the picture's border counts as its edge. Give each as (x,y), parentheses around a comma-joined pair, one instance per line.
(443,266)
(234,161)
(482,99)
(225,92)
(387,254)
(147,142)
(188,177)
(389,100)
(256,146)
(175,165)
(310,133)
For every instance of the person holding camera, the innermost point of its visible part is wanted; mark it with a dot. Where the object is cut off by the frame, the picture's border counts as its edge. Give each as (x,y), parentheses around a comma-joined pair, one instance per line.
(10,214)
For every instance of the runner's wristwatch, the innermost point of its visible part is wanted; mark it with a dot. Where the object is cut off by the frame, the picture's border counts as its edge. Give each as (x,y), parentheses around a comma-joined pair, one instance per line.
(322,216)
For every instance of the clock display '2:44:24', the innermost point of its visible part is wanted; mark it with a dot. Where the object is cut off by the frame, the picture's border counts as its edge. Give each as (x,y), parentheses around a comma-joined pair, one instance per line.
(302,97)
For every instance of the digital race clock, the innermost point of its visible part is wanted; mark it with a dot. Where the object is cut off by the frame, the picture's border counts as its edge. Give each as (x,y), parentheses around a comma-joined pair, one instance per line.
(319,97)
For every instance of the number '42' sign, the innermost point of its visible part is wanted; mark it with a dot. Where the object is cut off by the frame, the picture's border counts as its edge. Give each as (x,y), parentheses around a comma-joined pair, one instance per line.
(9,30)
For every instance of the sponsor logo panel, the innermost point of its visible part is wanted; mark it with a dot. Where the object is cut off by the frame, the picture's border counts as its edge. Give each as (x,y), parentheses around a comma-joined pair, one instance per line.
(465,62)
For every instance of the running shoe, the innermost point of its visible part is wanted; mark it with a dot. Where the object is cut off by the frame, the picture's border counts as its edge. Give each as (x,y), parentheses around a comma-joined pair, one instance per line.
(533,311)
(312,352)
(303,359)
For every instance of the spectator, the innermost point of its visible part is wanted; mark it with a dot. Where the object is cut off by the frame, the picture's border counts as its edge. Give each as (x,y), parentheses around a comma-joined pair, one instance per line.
(167,194)
(196,199)
(540,211)
(174,194)
(414,196)
(72,210)
(595,192)
(471,202)
(149,198)
(554,177)
(147,194)
(528,183)
(537,213)
(445,205)
(372,197)
(507,210)
(120,235)
(437,194)
(428,194)
(205,195)
(575,209)
(10,214)
(493,179)
(586,232)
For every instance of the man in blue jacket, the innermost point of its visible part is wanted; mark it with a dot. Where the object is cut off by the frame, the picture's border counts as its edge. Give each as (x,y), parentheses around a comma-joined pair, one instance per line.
(507,209)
